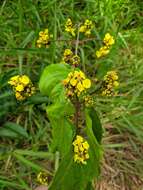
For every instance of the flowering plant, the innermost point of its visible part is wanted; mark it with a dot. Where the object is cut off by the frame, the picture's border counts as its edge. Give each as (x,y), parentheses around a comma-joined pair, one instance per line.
(72,113)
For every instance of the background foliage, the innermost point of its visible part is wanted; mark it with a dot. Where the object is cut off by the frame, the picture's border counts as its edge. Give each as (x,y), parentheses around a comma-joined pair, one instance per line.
(25,132)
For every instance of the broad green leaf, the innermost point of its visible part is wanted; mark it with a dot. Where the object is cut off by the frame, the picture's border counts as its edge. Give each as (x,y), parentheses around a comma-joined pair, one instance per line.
(62,133)
(51,77)
(96,124)
(18,129)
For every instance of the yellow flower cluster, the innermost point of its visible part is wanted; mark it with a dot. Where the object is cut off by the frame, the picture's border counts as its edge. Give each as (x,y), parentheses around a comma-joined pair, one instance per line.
(81,147)
(42,178)
(88,101)
(76,83)
(44,39)
(108,42)
(109,83)
(70,58)
(102,52)
(69,27)
(86,27)
(22,86)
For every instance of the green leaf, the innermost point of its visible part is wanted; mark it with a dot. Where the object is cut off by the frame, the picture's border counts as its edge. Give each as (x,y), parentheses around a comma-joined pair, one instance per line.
(51,77)
(60,109)
(16,128)
(96,124)
(91,137)
(62,133)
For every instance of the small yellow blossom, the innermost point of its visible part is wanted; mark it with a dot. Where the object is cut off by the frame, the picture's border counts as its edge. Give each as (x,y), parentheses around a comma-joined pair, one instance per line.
(13,80)
(81,148)
(19,88)
(69,27)
(73,82)
(19,96)
(102,51)
(86,83)
(80,87)
(24,80)
(108,40)
(42,178)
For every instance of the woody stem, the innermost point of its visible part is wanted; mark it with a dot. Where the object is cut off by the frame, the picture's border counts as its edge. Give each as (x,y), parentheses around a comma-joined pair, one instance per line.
(76,116)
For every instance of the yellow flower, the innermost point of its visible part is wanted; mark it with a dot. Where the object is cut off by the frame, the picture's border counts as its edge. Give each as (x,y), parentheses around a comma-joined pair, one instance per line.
(80,87)
(13,80)
(19,88)
(19,96)
(82,29)
(85,145)
(108,40)
(79,139)
(102,52)
(86,27)
(73,82)
(69,27)
(65,81)
(24,79)
(116,84)
(86,83)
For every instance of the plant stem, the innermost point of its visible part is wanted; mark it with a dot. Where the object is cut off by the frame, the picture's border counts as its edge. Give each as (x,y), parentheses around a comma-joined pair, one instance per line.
(76,116)
(77,41)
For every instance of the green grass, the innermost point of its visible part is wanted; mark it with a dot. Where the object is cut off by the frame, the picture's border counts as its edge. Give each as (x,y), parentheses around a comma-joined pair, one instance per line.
(22,157)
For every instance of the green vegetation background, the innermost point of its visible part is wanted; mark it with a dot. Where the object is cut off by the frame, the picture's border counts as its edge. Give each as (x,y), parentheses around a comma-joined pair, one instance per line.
(23,154)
